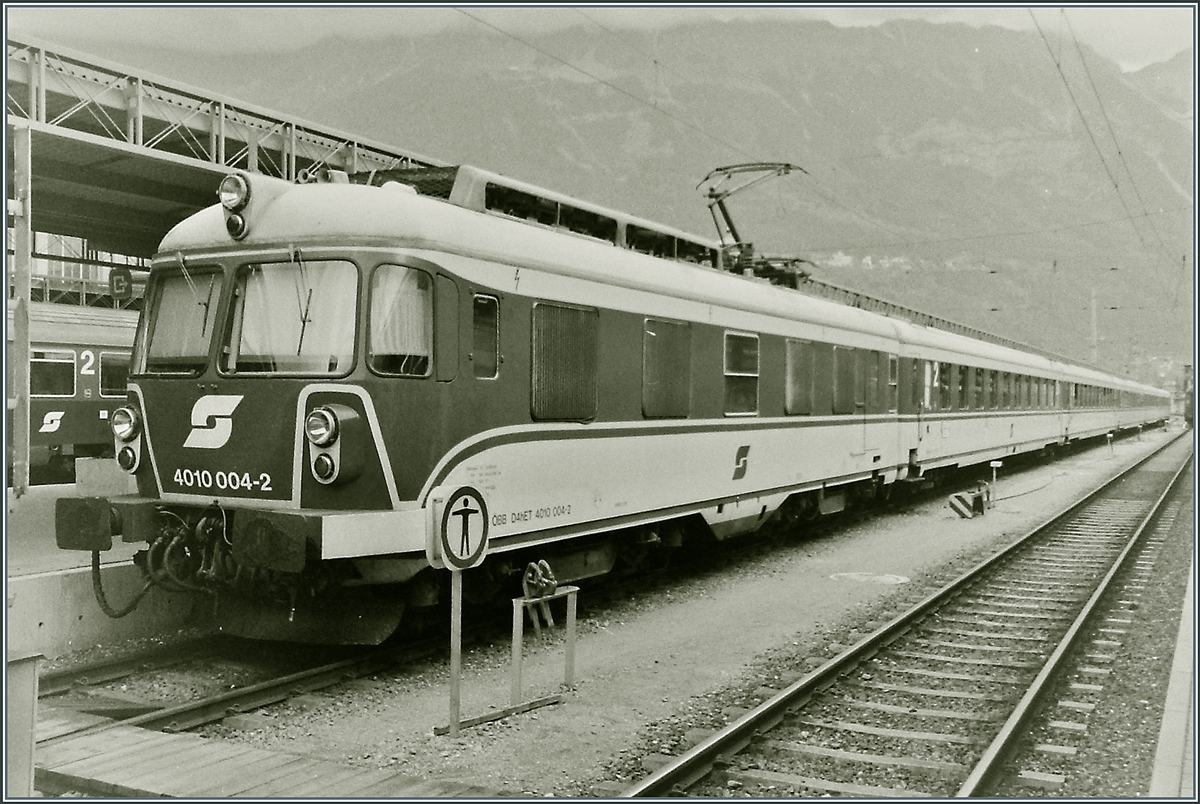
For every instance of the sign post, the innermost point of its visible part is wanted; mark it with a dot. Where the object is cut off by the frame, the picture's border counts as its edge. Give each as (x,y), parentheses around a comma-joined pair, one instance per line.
(455,651)
(459,542)
(992,497)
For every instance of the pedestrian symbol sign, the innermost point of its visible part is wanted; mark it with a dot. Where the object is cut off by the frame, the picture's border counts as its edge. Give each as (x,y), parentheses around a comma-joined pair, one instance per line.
(463,529)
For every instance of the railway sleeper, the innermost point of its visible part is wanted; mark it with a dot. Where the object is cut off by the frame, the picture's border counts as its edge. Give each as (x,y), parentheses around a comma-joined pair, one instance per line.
(939,768)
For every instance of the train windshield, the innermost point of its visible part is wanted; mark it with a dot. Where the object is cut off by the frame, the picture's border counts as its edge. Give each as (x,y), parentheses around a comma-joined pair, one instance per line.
(294,317)
(184,309)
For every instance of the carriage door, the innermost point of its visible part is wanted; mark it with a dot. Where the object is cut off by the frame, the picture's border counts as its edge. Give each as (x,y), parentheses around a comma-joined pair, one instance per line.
(913,404)
(870,369)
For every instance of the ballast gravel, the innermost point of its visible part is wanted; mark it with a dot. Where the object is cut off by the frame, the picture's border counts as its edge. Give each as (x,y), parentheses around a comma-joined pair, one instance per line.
(655,670)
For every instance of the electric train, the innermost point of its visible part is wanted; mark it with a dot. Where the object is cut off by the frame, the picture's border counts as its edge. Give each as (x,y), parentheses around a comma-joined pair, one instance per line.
(341,391)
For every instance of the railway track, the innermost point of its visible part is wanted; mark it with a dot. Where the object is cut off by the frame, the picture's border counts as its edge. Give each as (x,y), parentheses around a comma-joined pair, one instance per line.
(83,688)
(63,721)
(54,683)
(935,702)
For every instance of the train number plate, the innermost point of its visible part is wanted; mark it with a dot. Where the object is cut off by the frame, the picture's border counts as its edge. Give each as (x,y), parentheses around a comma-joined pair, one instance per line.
(223,481)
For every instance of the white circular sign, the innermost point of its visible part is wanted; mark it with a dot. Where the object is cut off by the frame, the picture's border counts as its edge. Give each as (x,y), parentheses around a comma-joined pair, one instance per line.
(464,529)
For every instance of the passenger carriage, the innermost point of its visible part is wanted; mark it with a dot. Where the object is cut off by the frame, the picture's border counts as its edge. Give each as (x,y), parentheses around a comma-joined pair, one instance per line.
(78,366)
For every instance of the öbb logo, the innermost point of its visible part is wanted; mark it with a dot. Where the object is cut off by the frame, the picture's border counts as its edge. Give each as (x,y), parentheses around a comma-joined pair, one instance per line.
(740,460)
(52,421)
(212,421)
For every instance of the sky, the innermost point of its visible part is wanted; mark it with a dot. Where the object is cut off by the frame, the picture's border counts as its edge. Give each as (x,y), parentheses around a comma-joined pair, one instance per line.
(1131,36)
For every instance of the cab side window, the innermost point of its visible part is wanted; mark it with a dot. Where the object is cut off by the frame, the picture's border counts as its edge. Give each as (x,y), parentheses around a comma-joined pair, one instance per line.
(485,337)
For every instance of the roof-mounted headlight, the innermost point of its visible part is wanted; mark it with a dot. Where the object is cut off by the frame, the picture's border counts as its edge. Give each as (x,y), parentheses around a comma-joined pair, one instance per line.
(321,427)
(234,192)
(125,423)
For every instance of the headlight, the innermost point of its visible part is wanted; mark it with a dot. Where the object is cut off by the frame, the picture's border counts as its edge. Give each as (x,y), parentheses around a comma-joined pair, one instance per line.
(125,423)
(234,192)
(321,427)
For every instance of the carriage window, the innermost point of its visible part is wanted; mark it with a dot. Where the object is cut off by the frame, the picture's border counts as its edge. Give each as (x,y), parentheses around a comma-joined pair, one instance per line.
(871,365)
(964,387)
(694,252)
(917,385)
(520,204)
(800,373)
(649,241)
(587,223)
(183,311)
(52,373)
(566,344)
(297,317)
(114,374)
(893,399)
(400,340)
(666,369)
(845,379)
(741,374)
(944,400)
(485,337)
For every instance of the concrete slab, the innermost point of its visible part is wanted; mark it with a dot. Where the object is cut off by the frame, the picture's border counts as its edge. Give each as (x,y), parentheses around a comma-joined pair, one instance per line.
(52,606)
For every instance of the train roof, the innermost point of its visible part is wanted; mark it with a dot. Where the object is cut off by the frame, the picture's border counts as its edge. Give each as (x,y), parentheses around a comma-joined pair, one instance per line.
(390,215)
(291,216)
(75,324)
(484,191)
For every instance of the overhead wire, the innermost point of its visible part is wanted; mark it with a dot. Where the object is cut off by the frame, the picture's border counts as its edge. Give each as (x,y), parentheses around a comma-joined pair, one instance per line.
(1111,133)
(1091,136)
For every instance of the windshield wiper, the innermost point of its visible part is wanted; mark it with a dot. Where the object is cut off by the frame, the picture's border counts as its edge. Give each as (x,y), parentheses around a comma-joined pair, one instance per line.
(305,305)
(207,303)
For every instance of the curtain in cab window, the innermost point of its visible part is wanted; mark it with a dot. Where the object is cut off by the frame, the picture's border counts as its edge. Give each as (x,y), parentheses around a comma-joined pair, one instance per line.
(401,340)
(295,317)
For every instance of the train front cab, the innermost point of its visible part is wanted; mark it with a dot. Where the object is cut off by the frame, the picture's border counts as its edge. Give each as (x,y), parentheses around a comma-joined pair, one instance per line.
(255,436)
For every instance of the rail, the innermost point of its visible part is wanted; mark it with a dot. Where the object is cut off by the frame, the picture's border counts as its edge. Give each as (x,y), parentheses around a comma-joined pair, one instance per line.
(696,763)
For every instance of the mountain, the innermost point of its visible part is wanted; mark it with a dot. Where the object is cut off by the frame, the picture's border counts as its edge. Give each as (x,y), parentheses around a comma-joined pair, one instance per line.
(1172,84)
(969,172)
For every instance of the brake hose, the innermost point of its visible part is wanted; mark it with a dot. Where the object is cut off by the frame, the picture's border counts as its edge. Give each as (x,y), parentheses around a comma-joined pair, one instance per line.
(103,601)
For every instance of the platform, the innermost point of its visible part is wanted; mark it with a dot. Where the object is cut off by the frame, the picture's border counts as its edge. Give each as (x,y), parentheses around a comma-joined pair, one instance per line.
(1175,760)
(126,761)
